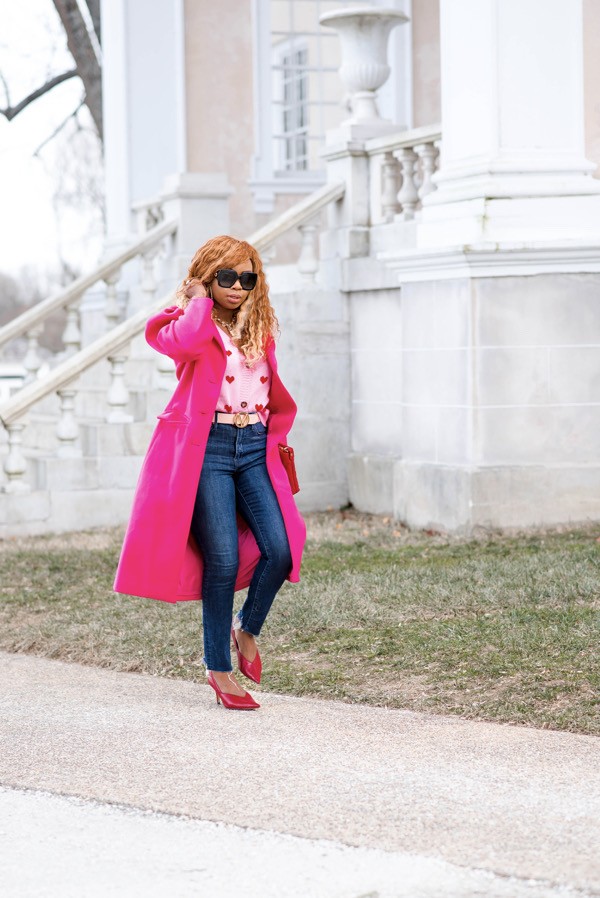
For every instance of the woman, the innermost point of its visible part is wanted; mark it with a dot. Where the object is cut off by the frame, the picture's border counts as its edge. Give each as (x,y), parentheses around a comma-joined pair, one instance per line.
(213,510)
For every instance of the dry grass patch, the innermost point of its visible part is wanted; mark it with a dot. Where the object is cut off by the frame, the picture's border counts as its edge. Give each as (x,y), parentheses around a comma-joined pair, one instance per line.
(498,626)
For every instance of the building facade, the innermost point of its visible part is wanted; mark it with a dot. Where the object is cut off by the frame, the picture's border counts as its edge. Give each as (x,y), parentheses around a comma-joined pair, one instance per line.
(444,340)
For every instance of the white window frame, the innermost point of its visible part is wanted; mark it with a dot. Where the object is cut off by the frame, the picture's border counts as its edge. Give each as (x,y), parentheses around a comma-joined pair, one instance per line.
(283,54)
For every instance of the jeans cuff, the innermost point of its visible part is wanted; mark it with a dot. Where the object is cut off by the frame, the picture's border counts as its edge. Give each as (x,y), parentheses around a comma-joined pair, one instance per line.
(207,668)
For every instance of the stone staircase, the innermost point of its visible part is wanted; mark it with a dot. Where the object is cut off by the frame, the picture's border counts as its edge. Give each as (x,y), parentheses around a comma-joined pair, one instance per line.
(88,484)
(73,441)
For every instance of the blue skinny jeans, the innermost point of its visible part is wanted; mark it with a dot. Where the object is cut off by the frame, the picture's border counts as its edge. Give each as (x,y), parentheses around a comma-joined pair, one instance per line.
(234,478)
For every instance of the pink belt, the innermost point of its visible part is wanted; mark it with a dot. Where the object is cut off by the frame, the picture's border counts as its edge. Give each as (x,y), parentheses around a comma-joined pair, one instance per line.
(239,419)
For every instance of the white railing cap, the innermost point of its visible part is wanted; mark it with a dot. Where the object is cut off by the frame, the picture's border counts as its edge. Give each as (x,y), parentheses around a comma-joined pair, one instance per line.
(63,374)
(37,314)
(397,141)
(297,215)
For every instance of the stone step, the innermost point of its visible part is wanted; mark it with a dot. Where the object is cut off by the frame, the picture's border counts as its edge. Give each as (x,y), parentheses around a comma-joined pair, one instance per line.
(99,440)
(107,472)
(91,410)
(66,474)
(60,511)
(96,438)
(88,403)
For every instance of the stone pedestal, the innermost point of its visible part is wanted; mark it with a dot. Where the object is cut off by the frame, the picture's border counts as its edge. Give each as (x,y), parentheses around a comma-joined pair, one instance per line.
(200,203)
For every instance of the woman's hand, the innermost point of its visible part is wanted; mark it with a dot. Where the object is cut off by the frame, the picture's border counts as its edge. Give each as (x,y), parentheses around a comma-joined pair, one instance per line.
(195,287)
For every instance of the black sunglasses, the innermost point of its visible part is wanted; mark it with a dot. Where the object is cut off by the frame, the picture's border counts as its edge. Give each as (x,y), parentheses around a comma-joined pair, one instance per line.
(226,277)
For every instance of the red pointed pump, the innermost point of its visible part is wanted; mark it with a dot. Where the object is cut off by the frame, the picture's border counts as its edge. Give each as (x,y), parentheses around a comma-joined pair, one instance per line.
(229,699)
(251,669)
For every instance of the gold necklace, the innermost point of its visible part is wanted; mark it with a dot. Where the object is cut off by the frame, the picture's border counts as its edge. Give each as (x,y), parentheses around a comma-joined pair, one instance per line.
(226,325)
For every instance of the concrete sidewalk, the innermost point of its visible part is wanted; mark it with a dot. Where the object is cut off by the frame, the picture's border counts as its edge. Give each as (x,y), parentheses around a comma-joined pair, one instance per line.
(422,805)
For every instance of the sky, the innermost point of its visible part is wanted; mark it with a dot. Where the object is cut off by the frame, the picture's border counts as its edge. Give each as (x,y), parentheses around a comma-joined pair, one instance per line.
(32,235)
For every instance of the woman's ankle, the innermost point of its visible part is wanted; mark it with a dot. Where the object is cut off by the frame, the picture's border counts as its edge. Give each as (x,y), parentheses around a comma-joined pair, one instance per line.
(247,644)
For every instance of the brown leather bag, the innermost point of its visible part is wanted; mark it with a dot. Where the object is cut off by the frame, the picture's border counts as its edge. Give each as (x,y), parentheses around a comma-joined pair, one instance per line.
(287,457)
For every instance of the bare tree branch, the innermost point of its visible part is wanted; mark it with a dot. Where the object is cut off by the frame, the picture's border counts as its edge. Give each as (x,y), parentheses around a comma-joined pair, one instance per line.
(84,54)
(58,129)
(11,111)
(5,85)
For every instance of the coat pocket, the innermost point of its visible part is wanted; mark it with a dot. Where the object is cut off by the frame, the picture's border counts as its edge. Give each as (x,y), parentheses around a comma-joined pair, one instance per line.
(174,417)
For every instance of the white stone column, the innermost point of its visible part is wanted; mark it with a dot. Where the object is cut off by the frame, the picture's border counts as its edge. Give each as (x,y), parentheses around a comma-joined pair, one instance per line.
(143,86)
(494,365)
(144,111)
(512,156)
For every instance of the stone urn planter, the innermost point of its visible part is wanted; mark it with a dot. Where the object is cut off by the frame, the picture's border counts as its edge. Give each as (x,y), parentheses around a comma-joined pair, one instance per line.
(364,33)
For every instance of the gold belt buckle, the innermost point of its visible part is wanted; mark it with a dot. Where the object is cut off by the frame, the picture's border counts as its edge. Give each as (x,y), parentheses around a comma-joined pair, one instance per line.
(241,419)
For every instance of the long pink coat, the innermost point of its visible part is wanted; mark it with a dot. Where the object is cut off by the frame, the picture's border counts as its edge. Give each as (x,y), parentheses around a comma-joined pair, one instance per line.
(160,559)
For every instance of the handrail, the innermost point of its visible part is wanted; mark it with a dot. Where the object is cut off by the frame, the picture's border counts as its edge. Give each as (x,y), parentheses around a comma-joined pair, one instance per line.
(297,214)
(72,367)
(120,335)
(400,139)
(34,316)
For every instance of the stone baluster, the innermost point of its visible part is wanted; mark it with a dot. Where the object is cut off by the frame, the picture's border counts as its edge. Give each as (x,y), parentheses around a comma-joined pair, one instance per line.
(148,215)
(268,254)
(428,154)
(408,196)
(165,367)
(72,332)
(67,429)
(112,312)
(15,464)
(390,182)
(118,394)
(148,282)
(32,360)
(308,260)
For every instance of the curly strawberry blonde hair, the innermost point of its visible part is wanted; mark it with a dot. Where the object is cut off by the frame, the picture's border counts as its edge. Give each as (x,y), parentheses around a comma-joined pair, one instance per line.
(255,321)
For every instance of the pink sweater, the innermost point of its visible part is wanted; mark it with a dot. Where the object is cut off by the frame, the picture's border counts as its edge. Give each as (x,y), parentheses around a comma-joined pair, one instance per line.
(244,388)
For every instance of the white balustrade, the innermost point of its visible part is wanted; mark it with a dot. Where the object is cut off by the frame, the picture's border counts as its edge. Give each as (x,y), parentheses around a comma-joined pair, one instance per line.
(15,464)
(268,254)
(428,154)
(308,260)
(401,169)
(390,183)
(112,311)
(165,368)
(67,429)
(148,214)
(118,394)
(113,345)
(148,282)
(408,195)
(30,323)
(32,360)
(72,332)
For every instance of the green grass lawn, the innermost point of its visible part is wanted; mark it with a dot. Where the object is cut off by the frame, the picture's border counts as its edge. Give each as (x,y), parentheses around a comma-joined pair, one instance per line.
(499,627)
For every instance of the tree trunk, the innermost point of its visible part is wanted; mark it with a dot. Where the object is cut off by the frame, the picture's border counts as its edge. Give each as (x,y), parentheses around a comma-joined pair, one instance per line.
(84,54)
(94,8)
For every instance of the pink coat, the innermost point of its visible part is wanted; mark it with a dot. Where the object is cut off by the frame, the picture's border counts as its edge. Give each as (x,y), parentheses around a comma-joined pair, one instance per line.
(159,558)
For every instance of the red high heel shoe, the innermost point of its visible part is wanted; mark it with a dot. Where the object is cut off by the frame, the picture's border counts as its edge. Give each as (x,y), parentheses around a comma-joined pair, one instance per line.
(229,699)
(251,669)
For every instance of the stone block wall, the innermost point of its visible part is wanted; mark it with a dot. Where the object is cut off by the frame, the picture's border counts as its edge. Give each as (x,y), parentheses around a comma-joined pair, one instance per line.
(476,401)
